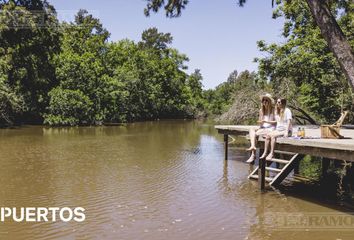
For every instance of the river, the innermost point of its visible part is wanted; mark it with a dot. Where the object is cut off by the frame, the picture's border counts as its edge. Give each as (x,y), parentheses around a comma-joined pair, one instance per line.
(152,180)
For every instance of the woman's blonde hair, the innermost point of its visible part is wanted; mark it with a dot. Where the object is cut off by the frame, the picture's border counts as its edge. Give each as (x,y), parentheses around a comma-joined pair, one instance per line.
(279,110)
(267,110)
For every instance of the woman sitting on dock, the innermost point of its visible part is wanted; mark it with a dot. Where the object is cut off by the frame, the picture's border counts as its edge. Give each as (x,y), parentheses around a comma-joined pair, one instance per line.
(283,128)
(266,121)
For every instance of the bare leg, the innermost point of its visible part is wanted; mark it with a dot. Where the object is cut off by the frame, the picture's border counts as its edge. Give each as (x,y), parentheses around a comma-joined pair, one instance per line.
(272,146)
(266,146)
(252,140)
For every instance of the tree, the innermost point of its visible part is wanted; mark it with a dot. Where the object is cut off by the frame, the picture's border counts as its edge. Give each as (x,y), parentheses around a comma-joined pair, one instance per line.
(334,36)
(152,39)
(68,107)
(195,83)
(303,68)
(243,103)
(321,12)
(83,75)
(38,5)
(173,8)
(195,93)
(28,44)
(225,95)
(154,84)
(11,104)
(232,77)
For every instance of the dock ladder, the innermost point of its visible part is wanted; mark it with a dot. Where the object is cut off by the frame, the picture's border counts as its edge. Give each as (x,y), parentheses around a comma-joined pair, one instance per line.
(278,168)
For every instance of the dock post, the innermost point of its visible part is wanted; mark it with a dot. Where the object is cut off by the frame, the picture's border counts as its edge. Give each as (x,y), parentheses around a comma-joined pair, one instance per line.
(261,173)
(325,166)
(297,168)
(226,142)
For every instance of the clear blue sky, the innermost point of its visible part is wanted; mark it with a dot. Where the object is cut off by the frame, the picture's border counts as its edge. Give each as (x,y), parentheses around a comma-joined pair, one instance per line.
(217,36)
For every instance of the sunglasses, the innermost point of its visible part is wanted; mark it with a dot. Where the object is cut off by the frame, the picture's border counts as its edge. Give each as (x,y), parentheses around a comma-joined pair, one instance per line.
(278,102)
(265,100)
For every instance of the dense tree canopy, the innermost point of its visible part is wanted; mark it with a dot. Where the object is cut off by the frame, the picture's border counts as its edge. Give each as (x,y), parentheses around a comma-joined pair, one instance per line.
(119,81)
(69,74)
(81,72)
(28,45)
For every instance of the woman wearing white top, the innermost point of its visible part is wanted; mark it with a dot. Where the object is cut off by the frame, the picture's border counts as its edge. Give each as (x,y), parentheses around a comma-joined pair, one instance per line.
(283,128)
(266,122)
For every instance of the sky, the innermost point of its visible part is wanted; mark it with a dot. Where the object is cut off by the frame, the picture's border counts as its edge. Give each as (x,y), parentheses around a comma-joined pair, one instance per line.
(218,36)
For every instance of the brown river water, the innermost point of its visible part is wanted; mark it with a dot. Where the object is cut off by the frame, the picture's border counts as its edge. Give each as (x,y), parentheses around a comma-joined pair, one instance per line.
(152,180)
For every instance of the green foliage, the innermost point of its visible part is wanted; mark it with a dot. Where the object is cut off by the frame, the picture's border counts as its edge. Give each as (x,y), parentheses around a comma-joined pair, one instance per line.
(173,7)
(310,167)
(27,48)
(69,74)
(81,65)
(319,87)
(124,81)
(152,78)
(152,39)
(220,100)
(68,107)
(194,93)
(11,103)
(83,73)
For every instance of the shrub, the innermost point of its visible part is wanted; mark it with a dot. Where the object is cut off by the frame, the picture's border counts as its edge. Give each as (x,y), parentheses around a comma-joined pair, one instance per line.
(68,107)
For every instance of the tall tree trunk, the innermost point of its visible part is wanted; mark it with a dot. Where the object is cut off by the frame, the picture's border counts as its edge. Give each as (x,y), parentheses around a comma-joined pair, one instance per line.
(334,36)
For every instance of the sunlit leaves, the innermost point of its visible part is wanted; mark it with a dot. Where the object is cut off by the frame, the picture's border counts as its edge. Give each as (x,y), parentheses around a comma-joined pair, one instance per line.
(29,41)
(173,8)
(306,60)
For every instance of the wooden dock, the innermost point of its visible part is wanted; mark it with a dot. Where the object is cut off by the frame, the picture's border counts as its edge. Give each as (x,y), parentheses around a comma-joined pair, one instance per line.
(312,144)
